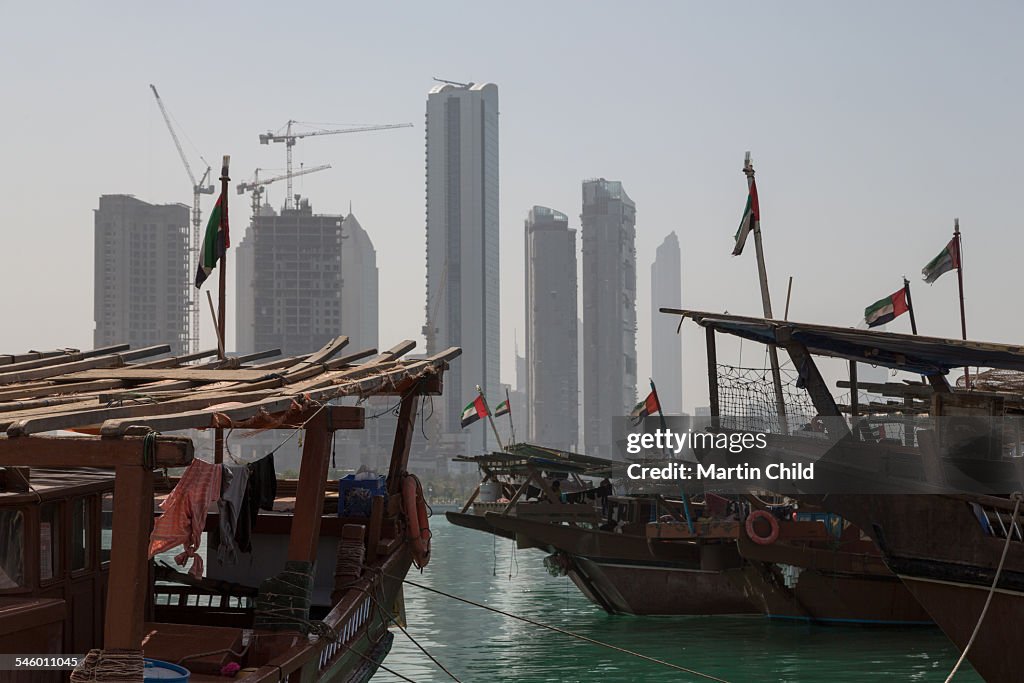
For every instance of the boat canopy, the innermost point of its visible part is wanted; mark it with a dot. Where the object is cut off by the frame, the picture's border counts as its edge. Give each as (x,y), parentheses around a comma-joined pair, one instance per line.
(520,458)
(918,354)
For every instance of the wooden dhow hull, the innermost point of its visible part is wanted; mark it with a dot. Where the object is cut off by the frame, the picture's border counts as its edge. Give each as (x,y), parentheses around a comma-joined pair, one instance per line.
(629,574)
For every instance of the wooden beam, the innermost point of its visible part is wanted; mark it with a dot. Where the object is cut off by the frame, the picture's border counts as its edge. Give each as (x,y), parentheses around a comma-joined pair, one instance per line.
(854,389)
(309,494)
(92,451)
(129,558)
(403,442)
(156,374)
(115,360)
(374,530)
(815,385)
(29,361)
(709,335)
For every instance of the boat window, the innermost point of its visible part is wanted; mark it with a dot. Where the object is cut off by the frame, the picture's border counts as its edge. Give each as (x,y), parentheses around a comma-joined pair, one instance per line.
(49,541)
(80,510)
(106,525)
(12,549)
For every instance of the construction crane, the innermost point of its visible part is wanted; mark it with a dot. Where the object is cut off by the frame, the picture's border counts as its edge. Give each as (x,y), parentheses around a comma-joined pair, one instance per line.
(257,185)
(198,188)
(288,137)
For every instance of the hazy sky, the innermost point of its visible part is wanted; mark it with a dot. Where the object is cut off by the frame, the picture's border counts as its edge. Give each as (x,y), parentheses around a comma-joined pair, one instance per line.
(872,125)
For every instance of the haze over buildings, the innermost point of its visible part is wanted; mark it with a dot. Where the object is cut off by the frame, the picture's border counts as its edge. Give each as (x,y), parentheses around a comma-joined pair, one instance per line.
(666,344)
(462,297)
(140,273)
(609,310)
(551,334)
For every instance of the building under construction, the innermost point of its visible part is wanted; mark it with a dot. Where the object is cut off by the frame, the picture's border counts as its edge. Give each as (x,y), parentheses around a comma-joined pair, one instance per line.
(300,276)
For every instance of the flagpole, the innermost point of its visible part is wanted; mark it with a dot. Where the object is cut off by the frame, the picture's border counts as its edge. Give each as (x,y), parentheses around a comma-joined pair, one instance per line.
(218,437)
(910,305)
(508,402)
(490,417)
(766,302)
(664,428)
(960,282)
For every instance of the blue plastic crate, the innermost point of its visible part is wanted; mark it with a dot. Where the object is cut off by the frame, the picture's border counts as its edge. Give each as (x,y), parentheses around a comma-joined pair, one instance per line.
(355,497)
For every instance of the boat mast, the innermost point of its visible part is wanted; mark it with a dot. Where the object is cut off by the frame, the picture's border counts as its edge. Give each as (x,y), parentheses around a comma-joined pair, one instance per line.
(766,302)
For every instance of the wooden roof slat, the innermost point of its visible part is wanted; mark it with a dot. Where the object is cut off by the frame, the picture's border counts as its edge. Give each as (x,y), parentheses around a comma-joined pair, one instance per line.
(156,374)
(82,418)
(113,360)
(11,358)
(60,357)
(174,361)
(91,451)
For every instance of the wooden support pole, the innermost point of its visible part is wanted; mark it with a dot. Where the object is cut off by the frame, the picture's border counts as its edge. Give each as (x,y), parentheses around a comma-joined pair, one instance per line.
(92,451)
(376,525)
(960,283)
(822,398)
(309,494)
(854,390)
(129,558)
(403,442)
(709,334)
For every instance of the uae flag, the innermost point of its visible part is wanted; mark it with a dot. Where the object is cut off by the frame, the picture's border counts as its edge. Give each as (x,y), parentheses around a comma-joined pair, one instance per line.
(215,242)
(947,260)
(646,407)
(502,408)
(474,411)
(751,217)
(884,310)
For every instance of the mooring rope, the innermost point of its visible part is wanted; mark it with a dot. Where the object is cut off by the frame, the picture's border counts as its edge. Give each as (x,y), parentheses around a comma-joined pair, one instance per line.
(564,632)
(992,589)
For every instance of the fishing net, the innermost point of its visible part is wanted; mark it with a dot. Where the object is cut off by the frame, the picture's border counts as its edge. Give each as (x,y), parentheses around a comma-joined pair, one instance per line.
(1005,381)
(747,401)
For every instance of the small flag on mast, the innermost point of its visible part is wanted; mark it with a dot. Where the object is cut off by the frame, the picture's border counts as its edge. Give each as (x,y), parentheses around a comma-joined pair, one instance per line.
(502,408)
(215,243)
(884,310)
(750,220)
(947,260)
(646,407)
(474,411)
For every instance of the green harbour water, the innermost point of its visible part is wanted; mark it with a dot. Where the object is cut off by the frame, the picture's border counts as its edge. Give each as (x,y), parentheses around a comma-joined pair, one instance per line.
(481,646)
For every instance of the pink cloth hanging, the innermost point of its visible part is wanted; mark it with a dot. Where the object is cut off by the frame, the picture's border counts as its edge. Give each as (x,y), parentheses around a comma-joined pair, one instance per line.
(184,514)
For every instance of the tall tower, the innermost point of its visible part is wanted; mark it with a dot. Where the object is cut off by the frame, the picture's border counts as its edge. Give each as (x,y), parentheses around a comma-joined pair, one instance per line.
(551,334)
(666,345)
(359,286)
(609,311)
(462,306)
(141,278)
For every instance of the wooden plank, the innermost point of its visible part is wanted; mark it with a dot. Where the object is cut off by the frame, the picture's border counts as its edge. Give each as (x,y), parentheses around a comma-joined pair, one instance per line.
(309,496)
(129,562)
(174,361)
(890,388)
(403,442)
(26,362)
(92,451)
(80,418)
(54,371)
(815,385)
(12,358)
(156,374)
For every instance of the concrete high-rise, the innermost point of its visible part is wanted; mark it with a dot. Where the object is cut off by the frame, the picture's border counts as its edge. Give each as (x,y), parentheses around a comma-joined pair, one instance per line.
(314,277)
(666,345)
(551,334)
(609,311)
(462,305)
(245,304)
(141,273)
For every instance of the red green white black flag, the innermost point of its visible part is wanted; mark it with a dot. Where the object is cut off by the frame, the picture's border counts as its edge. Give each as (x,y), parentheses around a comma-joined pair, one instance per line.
(884,310)
(215,242)
(474,411)
(750,220)
(947,260)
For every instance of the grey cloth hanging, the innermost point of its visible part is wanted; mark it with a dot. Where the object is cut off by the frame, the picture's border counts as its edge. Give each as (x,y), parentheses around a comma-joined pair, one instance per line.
(233,486)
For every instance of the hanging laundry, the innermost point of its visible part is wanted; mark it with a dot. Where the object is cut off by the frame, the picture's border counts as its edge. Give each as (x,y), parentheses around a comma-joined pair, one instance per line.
(234,483)
(184,514)
(260,492)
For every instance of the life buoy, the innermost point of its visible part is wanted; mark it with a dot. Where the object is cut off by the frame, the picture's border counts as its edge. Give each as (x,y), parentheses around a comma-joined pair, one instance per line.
(417,528)
(772,522)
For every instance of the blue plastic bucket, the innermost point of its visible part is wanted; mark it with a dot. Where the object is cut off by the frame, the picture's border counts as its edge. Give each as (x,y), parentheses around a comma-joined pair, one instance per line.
(165,672)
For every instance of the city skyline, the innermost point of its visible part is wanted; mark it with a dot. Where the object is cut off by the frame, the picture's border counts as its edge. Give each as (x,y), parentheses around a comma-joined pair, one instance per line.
(911,133)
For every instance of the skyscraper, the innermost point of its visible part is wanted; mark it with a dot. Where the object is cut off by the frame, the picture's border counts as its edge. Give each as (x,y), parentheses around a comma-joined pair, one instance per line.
(245,304)
(314,276)
(609,311)
(551,334)
(462,306)
(141,278)
(666,345)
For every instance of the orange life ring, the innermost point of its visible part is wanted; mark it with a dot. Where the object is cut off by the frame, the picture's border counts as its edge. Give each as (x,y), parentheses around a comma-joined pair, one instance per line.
(417,529)
(772,522)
